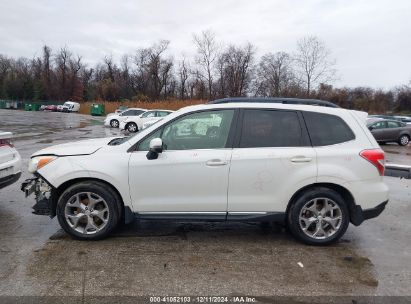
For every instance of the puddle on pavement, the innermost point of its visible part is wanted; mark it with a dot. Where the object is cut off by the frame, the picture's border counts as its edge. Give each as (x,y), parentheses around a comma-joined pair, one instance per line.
(240,257)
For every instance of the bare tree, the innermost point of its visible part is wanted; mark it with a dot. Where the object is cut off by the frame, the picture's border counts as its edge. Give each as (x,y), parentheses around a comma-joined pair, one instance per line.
(62,60)
(234,66)
(313,62)
(274,74)
(183,73)
(207,49)
(47,72)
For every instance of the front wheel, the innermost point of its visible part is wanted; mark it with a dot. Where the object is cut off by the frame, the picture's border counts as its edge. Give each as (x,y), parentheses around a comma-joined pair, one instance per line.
(114,123)
(88,210)
(404,140)
(132,127)
(318,217)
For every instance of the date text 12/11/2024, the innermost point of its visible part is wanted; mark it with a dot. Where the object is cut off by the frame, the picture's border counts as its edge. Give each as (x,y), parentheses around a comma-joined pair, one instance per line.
(202,299)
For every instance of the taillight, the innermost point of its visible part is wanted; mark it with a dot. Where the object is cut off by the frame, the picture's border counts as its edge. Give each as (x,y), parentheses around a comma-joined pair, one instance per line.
(376,157)
(6,142)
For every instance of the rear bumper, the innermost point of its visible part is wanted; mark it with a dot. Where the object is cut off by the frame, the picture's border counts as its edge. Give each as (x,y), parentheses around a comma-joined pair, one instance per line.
(8,180)
(122,125)
(358,215)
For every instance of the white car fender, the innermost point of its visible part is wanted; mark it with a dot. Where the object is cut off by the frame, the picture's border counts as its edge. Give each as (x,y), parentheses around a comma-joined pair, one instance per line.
(68,168)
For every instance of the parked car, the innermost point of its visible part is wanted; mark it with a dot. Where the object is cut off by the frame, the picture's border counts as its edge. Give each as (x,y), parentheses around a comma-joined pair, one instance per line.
(10,160)
(51,108)
(390,131)
(42,107)
(135,123)
(114,120)
(405,119)
(314,168)
(70,106)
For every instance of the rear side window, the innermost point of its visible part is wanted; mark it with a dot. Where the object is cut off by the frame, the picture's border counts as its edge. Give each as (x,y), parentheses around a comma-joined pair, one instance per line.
(326,129)
(267,128)
(393,124)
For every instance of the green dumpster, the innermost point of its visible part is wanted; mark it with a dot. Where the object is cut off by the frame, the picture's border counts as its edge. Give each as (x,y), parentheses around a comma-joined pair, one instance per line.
(2,104)
(97,109)
(28,107)
(36,107)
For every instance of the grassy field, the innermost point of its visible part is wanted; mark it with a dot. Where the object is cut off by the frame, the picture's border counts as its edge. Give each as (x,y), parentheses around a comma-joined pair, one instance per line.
(111,106)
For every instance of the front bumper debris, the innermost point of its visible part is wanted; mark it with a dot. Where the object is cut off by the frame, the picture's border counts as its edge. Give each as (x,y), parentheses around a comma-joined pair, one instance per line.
(43,196)
(359,215)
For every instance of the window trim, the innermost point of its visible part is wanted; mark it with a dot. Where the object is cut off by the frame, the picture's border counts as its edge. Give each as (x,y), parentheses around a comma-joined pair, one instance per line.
(229,143)
(305,139)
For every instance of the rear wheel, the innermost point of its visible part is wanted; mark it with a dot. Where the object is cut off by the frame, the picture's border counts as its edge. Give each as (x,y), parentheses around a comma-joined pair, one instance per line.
(114,123)
(319,216)
(88,210)
(404,140)
(131,127)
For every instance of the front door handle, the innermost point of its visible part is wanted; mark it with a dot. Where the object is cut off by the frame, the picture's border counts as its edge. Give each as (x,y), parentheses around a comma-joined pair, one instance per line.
(301,159)
(216,162)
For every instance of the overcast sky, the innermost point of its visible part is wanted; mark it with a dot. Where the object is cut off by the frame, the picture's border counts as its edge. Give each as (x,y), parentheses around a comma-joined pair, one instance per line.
(370,40)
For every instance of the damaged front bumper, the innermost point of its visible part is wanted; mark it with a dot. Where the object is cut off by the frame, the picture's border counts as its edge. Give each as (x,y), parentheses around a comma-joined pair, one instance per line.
(43,195)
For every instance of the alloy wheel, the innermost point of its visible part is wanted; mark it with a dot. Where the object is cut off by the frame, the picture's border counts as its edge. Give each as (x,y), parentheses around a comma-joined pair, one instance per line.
(132,127)
(320,218)
(114,123)
(404,140)
(87,213)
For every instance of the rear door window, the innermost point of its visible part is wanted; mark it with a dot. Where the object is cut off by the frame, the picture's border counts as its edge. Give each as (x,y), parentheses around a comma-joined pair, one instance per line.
(270,128)
(327,129)
(393,124)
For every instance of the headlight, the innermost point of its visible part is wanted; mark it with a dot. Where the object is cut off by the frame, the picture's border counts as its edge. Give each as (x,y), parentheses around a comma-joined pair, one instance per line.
(39,162)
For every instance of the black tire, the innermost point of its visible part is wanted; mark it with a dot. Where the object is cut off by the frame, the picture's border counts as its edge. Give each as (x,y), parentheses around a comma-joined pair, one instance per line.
(404,140)
(131,127)
(114,123)
(97,188)
(293,221)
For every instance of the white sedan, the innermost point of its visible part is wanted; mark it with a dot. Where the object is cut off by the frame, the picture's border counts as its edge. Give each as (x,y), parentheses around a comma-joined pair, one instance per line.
(10,161)
(113,120)
(136,123)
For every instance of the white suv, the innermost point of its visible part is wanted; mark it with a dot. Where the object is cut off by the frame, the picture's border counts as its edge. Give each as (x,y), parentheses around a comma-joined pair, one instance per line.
(315,168)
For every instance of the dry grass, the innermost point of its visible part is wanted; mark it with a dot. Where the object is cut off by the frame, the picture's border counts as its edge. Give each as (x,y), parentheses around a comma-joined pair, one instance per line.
(111,106)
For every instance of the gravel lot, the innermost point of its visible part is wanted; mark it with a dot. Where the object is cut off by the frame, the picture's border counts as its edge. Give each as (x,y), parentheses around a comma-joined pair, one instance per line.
(156,258)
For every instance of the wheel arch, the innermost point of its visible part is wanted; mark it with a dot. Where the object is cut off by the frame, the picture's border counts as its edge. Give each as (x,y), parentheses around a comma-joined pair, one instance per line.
(344,192)
(57,192)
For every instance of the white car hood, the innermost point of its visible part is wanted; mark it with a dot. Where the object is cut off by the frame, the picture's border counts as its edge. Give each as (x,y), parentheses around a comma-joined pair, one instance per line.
(84,147)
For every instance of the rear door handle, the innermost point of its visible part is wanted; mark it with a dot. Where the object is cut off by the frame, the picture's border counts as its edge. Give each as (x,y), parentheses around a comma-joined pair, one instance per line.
(216,162)
(301,159)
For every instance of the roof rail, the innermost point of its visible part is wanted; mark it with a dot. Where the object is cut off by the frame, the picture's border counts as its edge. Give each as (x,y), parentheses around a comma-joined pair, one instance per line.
(301,101)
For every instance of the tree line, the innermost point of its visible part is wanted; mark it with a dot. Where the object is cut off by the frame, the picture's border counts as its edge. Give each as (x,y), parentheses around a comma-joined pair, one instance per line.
(217,70)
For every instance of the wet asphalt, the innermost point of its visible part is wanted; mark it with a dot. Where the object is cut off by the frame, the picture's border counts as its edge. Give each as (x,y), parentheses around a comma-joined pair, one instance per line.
(158,258)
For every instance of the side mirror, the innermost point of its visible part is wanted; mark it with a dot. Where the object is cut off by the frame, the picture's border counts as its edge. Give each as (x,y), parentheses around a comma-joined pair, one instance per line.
(370,128)
(156,147)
